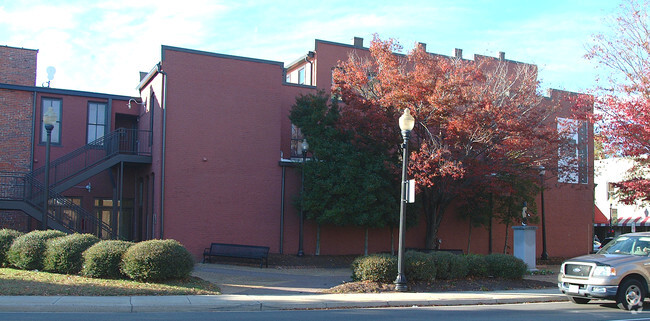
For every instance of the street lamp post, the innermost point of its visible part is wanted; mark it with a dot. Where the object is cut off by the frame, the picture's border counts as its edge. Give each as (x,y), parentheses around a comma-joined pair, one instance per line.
(305,146)
(49,119)
(542,171)
(406,124)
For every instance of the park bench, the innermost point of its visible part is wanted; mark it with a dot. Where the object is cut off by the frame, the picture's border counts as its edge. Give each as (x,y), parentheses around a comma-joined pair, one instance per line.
(238,251)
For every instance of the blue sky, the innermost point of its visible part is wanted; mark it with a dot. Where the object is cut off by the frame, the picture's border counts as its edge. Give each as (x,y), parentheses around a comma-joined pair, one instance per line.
(101,45)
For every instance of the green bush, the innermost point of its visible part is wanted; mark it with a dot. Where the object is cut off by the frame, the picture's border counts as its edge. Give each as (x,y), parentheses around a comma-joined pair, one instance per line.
(157,260)
(64,254)
(103,259)
(7,237)
(419,266)
(505,266)
(477,266)
(26,252)
(458,267)
(377,268)
(442,261)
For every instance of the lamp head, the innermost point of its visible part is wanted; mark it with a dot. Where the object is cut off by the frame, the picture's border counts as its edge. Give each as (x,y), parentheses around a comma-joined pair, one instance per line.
(305,145)
(49,118)
(406,121)
(542,170)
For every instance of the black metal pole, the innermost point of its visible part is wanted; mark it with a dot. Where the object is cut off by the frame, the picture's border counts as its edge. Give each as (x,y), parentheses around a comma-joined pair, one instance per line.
(46,189)
(544,253)
(400,282)
(301,252)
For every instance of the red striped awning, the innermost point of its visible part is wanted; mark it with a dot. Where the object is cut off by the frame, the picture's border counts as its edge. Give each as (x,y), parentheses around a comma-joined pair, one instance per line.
(628,221)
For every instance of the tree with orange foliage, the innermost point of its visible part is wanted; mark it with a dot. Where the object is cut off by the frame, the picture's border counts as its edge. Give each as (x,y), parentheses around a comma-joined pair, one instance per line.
(474,120)
(624,102)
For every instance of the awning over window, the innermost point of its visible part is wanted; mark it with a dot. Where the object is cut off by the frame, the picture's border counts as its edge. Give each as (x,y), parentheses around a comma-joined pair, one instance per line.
(628,221)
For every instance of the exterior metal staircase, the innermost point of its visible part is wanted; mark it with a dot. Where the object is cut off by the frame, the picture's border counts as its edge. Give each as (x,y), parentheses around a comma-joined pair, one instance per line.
(25,191)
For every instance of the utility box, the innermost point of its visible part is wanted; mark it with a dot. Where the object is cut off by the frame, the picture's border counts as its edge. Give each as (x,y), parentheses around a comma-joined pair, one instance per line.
(524,245)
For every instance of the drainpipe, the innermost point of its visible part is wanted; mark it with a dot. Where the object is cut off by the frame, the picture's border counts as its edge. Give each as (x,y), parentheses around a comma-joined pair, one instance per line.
(164,137)
(282,211)
(310,55)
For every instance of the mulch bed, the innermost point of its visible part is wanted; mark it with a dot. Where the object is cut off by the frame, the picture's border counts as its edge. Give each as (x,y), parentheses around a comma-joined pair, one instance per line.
(344,261)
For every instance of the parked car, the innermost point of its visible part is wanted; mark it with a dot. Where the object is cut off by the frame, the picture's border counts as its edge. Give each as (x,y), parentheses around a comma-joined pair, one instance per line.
(597,246)
(620,271)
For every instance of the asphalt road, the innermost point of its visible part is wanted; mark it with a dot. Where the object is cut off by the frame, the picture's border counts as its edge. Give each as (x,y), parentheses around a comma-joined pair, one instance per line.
(600,310)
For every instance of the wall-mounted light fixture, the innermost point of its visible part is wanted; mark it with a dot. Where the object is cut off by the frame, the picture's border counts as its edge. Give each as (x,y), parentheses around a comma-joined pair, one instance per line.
(135,101)
(87,187)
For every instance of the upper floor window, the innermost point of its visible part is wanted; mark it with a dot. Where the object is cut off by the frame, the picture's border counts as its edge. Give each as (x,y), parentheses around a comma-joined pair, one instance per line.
(55,104)
(96,121)
(573,151)
(301,76)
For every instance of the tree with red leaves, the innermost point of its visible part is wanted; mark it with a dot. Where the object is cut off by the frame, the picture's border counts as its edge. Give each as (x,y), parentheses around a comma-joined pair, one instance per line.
(476,120)
(623,106)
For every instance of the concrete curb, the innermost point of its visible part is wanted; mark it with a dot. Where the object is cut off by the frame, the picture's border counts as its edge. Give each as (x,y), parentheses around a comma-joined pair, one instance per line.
(231,302)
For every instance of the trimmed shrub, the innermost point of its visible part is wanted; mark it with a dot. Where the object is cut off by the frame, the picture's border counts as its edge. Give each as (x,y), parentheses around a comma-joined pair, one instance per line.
(442,262)
(7,237)
(477,266)
(26,252)
(64,254)
(419,266)
(505,266)
(458,267)
(377,268)
(103,259)
(157,260)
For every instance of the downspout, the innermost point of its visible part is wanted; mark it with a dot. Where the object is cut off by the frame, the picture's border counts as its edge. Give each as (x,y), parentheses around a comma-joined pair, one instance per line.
(164,137)
(33,132)
(282,211)
(311,67)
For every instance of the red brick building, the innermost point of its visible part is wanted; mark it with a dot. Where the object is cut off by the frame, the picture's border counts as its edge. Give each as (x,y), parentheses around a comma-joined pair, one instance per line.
(207,154)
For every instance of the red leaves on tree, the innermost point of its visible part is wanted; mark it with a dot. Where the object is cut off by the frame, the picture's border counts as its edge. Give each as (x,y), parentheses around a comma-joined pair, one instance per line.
(473,118)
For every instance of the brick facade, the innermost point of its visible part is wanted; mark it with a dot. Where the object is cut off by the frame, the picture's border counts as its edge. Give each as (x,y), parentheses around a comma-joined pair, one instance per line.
(16,117)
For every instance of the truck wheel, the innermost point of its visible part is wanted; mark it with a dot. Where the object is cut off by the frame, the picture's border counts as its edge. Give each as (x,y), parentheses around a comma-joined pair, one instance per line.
(630,295)
(579,300)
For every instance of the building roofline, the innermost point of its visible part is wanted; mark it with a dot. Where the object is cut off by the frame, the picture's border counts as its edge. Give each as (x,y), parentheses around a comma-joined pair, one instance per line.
(144,81)
(67,92)
(19,48)
(218,55)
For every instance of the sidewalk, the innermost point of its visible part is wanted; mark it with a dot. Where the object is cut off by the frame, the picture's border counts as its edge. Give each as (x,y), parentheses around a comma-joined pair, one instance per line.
(255,289)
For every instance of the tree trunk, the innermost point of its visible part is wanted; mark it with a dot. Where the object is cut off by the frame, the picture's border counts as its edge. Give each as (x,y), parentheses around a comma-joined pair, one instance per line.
(317,239)
(505,244)
(392,240)
(365,244)
(469,237)
(434,208)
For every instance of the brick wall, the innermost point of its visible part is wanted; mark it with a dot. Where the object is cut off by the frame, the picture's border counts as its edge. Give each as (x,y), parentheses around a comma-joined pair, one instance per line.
(18,68)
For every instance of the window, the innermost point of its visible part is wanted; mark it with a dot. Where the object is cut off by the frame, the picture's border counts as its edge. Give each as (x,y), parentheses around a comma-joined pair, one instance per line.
(611,189)
(301,76)
(296,142)
(55,104)
(573,151)
(96,121)
(104,212)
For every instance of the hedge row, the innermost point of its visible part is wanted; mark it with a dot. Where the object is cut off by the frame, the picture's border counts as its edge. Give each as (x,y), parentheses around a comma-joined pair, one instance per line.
(85,254)
(427,267)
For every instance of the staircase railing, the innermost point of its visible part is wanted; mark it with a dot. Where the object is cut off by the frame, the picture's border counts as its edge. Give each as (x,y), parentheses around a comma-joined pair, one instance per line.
(120,141)
(23,187)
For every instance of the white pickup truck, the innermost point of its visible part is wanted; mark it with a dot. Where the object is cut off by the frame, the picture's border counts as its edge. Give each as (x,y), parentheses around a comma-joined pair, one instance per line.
(619,271)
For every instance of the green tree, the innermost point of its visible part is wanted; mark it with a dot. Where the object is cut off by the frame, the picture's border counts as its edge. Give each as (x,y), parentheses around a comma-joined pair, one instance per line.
(345,184)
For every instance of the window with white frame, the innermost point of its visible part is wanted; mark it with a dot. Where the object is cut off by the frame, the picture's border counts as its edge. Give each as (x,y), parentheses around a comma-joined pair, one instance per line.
(301,76)
(296,141)
(55,105)
(96,121)
(573,151)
